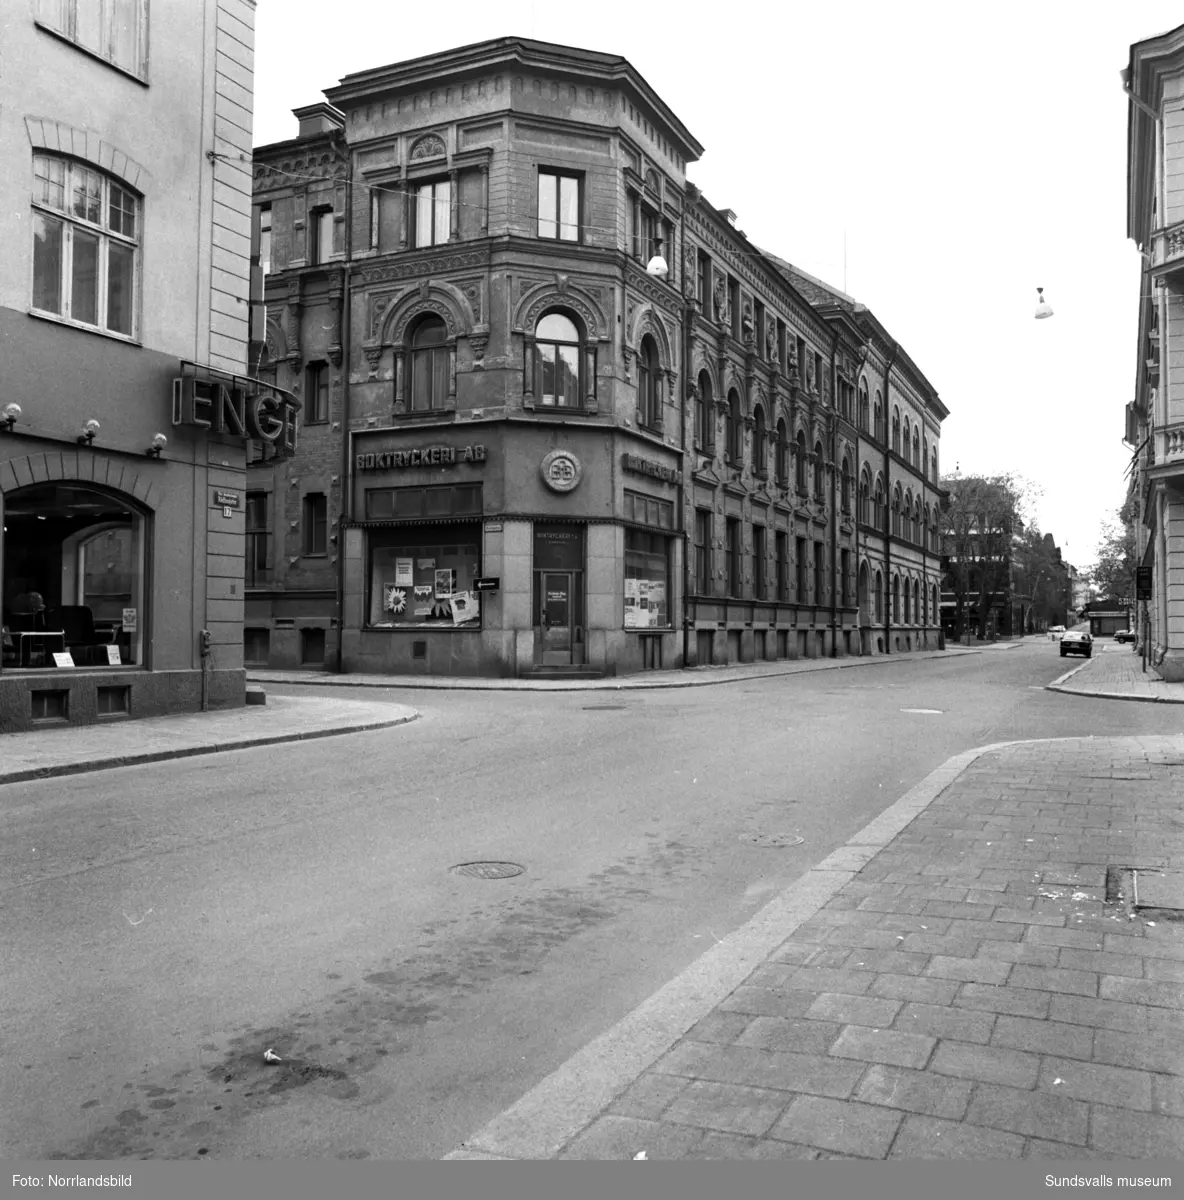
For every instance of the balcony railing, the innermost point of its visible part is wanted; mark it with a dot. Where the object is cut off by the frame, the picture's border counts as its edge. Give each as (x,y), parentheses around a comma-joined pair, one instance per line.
(1168,251)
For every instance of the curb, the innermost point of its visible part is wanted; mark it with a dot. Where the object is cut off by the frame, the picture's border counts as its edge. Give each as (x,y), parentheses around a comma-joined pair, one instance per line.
(553,1112)
(1057,685)
(135,760)
(605,686)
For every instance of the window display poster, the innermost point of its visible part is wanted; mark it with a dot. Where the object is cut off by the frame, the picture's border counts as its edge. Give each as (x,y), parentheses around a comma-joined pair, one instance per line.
(425,564)
(394,598)
(62,660)
(113,659)
(129,620)
(445,582)
(405,572)
(423,591)
(465,607)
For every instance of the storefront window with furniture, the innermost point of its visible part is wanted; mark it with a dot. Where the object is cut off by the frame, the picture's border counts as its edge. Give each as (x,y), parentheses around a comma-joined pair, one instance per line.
(73,578)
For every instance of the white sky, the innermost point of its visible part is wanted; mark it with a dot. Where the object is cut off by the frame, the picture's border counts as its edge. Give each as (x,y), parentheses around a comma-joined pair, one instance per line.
(964,161)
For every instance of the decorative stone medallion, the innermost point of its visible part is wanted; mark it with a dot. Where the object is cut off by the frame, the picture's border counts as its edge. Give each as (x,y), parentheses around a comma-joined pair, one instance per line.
(561,470)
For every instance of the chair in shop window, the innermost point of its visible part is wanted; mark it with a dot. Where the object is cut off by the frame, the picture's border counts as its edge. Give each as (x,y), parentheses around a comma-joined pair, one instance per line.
(87,646)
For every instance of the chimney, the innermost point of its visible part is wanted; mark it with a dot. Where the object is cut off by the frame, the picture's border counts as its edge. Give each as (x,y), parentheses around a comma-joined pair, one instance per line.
(318,118)
(729,215)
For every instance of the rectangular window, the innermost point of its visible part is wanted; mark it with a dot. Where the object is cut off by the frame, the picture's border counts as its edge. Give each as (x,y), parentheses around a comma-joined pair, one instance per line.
(375,218)
(782,566)
(733,534)
(801,343)
(758,562)
(803,568)
(648,232)
(647,580)
(703,282)
(320,232)
(408,503)
(845,575)
(734,306)
(312,647)
(433,206)
(316,398)
(703,551)
(50,705)
(257,534)
(316,522)
(115,30)
(819,573)
(113,701)
(649,510)
(265,238)
(416,571)
(759,328)
(559,206)
(85,231)
(256,647)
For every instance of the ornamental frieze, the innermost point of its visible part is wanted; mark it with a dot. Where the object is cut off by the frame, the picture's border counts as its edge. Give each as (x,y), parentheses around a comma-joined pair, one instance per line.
(429,265)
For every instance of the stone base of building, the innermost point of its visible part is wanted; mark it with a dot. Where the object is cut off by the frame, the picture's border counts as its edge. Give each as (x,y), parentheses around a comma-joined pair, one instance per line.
(1169,665)
(41,700)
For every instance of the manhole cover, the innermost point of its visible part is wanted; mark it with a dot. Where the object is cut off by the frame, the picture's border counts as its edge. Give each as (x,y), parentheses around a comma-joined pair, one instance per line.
(772,839)
(488,870)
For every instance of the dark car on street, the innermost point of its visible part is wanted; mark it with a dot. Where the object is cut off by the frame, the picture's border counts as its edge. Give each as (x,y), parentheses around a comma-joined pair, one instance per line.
(1077,641)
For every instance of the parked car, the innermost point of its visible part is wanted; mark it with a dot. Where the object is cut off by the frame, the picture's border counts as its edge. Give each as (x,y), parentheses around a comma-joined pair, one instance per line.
(1055,632)
(1125,635)
(1077,641)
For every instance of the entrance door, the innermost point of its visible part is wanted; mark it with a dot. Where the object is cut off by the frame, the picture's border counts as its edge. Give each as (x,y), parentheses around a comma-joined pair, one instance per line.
(557,623)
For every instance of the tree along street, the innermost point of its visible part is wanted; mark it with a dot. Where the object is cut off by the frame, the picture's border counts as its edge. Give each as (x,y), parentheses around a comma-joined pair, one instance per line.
(163,926)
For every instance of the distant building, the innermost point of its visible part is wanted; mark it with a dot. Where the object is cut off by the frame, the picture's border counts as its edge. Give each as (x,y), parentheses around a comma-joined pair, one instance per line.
(125,133)
(524,451)
(1155,417)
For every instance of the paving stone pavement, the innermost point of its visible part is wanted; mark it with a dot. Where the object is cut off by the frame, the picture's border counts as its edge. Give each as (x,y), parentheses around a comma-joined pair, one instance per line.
(968,993)
(1115,672)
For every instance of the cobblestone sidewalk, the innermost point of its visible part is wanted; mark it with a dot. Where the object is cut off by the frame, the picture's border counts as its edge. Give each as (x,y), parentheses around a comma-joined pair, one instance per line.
(1116,673)
(967,993)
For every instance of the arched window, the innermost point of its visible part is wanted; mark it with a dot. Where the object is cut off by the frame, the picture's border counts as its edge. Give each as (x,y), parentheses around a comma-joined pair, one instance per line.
(906,600)
(935,610)
(865,496)
(819,486)
(879,596)
(933,464)
(864,407)
(735,443)
(925,460)
(782,454)
(916,530)
(925,527)
(704,416)
(649,385)
(896,511)
(896,599)
(759,443)
(878,505)
(924,606)
(429,365)
(846,488)
(895,430)
(879,416)
(917,460)
(800,465)
(557,351)
(907,427)
(917,603)
(935,534)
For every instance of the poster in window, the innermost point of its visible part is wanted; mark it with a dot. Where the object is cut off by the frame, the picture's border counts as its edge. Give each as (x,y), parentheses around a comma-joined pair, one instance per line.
(423,591)
(445,582)
(129,620)
(465,607)
(425,564)
(404,572)
(394,598)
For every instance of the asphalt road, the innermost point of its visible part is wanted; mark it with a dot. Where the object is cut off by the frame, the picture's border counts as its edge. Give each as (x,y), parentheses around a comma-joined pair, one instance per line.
(162,926)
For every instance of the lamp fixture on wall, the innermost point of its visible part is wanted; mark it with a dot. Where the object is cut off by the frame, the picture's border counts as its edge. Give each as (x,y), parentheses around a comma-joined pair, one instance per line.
(89,429)
(159,442)
(1043,308)
(657,265)
(12,414)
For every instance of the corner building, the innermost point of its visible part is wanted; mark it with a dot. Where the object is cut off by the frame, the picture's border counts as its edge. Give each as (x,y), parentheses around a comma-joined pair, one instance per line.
(125,130)
(550,459)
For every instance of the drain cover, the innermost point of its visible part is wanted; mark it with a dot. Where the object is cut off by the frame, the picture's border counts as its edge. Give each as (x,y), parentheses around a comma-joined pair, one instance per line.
(772,839)
(488,870)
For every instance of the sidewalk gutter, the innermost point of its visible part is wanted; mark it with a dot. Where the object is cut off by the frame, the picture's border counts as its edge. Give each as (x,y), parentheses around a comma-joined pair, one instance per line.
(111,762)
(540,1124)
(680,678)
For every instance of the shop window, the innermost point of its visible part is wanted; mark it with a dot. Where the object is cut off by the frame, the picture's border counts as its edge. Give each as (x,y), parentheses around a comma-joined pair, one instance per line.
(758,562)
(86,230)
(410,503)
(647,580)
(559,206)
(116,30)
(312,647)
(257,539)
(316,523)
(316,396)
(649,510)
(557,357)
(423,575)
(429,366)
(782,544)
(256,647)
(432,212)
(733,550)
(703,522)
(73,577)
